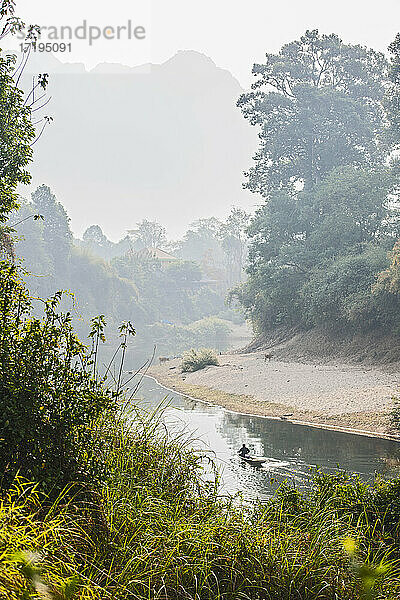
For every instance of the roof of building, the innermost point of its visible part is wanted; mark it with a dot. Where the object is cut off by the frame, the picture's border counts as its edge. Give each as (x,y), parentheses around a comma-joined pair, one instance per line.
(155,253)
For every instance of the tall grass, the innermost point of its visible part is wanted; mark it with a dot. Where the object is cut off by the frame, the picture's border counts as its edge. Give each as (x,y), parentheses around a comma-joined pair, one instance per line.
(157,530)
(38,546)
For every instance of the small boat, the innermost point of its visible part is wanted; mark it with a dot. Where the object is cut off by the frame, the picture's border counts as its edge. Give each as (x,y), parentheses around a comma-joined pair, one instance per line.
(254,461)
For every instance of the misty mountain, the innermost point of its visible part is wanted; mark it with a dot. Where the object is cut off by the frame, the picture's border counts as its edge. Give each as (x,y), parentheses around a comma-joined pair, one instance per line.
(163,142)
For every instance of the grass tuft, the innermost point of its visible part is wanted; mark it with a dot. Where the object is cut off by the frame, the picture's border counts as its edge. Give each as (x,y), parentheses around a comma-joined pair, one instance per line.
(194,360)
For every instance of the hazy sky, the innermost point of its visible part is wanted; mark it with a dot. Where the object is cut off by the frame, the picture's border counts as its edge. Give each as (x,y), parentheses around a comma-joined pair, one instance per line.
(233,33)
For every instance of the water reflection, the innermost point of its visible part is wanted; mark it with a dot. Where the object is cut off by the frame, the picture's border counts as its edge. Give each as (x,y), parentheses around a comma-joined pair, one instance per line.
(291,449)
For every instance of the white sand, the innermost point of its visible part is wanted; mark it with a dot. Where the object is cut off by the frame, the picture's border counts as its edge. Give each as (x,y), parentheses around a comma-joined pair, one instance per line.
(330,390)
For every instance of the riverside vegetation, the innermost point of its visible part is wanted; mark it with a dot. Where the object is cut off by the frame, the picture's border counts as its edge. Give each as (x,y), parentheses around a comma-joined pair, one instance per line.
(100,502)
(97,500)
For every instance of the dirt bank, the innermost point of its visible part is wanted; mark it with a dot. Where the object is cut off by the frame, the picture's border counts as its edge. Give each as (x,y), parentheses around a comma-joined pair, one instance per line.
(374,349)
(334,395)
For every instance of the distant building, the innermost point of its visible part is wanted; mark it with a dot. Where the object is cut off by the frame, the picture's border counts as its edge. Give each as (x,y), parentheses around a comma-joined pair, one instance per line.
(155,254)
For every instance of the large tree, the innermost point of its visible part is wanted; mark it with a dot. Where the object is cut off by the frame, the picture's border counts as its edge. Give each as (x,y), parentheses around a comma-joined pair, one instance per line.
(351,208)
(329,194)
(201,238)
(318,106)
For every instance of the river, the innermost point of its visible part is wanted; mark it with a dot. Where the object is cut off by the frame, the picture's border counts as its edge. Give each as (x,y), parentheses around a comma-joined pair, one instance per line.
(292,450)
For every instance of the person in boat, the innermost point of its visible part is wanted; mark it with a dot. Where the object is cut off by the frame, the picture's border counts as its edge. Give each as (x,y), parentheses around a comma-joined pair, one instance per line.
(244,452)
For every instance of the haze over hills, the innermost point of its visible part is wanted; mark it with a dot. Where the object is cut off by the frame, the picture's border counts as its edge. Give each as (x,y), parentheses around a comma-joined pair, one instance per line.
(164,142)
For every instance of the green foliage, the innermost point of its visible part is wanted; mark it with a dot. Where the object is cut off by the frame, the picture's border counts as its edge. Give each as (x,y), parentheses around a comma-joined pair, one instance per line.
(97,244)
(389,279)
(145,524)
(148,234)
(210,328)
(220,247)
(194,360)
(56,231)
(368,575)
(169,293)
(122,284)
(331,208)
(26,573)
(153,293)
(315,255)
(16,135)
(49,401)
(99,290)
(233,236)
(17,132)
(201,238)
(53,262)
(341,293)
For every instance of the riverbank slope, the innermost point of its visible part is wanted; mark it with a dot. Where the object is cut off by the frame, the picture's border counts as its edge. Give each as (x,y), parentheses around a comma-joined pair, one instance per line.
(334,395)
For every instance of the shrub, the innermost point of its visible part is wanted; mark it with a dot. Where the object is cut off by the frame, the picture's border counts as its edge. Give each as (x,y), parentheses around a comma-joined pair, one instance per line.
(210,331)
(340,293)
(194,360)
(50,398)
(176,339)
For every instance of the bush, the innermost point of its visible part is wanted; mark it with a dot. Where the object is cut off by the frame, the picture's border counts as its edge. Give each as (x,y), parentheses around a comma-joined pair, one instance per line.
(50,398)
(176,339)
(341,292)
(210,330)
(194,360)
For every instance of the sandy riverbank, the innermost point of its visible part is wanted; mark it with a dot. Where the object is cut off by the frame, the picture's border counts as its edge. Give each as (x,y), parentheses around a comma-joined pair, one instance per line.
(333,395)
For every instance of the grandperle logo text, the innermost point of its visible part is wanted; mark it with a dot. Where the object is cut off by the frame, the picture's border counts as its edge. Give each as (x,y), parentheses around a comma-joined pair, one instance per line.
(92,33)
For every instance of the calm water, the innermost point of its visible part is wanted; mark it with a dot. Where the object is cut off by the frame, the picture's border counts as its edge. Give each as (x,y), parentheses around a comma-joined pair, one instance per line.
(291,449)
